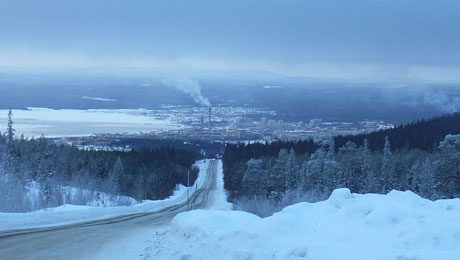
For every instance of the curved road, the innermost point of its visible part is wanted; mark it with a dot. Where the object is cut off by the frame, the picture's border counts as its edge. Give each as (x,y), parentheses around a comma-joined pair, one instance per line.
(86,239)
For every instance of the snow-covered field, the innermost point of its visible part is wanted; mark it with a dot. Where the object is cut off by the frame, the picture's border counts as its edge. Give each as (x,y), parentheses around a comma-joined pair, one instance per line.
(396,226)
(72,213)
(72,122)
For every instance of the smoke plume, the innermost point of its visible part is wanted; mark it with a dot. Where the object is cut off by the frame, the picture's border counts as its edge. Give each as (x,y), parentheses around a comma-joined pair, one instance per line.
(189,87)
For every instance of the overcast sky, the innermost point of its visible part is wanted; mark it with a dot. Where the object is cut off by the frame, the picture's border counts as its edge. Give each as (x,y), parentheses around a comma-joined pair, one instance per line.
(394,39)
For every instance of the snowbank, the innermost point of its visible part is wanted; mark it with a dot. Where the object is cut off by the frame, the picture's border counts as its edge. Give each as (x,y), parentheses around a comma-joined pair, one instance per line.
(219,194)
(71,213)
(399,225)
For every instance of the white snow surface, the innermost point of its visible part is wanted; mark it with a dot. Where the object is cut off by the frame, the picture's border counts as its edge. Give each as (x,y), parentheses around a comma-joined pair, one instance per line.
(399,226)
(95,198)
(67,214)
(74,122)
(219,195)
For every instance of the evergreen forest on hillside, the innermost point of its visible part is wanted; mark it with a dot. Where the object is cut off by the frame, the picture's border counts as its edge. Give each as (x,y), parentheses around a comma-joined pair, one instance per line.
(423,156)
(37,173)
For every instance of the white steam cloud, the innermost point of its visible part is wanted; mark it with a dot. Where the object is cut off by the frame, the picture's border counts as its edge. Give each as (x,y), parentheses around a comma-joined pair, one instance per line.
(189,87)
(446,102)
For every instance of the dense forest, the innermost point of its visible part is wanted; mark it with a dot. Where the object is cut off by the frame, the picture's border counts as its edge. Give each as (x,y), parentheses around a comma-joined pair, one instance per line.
(420,134)
(58,174)
(423,156)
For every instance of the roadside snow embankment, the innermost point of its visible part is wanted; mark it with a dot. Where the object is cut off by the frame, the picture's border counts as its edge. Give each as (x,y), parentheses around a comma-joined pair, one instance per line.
(67,214)
(218,195)
(399,226)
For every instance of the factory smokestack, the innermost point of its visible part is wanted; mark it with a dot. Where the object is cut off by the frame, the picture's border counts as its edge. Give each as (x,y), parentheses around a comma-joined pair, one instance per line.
(210,120)
(202,124)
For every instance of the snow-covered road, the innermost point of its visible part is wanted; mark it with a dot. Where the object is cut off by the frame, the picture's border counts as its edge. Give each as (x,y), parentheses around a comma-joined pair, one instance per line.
(117,237)
(347,226)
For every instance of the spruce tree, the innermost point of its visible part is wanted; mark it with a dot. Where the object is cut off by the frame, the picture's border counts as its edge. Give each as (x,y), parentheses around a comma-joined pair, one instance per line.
(371,182)
(447,167)
(254,178)
(387,172)
(10,130)
(292,172)
(277,175)
(11,158)
(313,171)
(117,176)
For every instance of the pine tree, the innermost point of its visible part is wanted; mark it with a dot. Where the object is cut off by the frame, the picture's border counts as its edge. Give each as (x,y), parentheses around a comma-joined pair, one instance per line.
(371,182)
(117,176)
(254,178)
(387,172)
(351,163)
(331,149)
(422,178)
(313,171)
(277,175)
(292,172)
(447,167)
(10,130)
(11,165)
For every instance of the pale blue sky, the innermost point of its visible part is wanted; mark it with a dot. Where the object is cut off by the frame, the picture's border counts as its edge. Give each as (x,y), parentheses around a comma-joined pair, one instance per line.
(324,38)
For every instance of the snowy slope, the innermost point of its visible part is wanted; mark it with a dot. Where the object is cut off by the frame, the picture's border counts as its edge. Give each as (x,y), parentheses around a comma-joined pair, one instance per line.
(399,226)
(86,197)
(219,196)
(71,213)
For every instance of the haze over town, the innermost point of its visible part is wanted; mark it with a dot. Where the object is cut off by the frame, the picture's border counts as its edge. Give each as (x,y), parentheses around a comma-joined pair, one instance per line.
(243,129)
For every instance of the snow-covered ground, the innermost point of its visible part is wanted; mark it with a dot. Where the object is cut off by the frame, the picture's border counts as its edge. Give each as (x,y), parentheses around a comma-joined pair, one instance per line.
(73,122)
(71,213)
(148,241)
(219,195)
(83,196)
(396,226)
(162,244)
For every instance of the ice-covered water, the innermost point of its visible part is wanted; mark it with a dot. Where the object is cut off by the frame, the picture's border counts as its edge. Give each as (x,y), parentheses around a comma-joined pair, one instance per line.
(73,122)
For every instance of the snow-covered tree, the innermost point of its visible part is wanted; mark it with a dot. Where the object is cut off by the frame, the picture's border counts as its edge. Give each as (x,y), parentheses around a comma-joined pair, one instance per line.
(10,129)
(330,148)
(387,172)
(292,172)
(254,178)
(116,176)
(351,163)
(447,167)
(370,179)
(12,164)
(422,178)
(312,170)
(277,175)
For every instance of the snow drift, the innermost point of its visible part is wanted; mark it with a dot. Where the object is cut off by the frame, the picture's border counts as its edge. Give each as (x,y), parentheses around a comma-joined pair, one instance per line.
(399,225)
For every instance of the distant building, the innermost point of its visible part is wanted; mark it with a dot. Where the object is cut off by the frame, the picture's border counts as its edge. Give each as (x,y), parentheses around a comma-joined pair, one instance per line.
(315,122)
(263,120)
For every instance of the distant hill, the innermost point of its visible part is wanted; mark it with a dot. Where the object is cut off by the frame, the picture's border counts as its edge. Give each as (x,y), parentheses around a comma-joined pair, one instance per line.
(421,134)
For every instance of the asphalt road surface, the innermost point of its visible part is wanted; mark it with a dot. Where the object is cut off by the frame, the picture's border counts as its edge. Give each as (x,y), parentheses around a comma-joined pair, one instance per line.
(86,239)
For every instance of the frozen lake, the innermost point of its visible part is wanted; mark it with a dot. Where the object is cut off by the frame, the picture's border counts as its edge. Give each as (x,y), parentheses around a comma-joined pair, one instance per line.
(71,122)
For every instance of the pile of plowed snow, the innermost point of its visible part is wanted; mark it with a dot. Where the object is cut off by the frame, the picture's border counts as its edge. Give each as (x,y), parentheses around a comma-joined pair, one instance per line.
(399,225)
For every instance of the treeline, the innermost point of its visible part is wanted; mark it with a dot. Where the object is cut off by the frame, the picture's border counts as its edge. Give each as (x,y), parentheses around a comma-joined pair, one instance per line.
(428,165)
(236,156)
(27,165)
(421,134)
